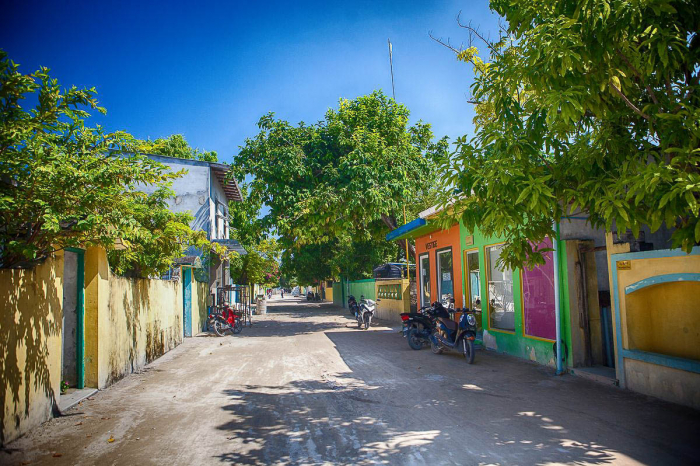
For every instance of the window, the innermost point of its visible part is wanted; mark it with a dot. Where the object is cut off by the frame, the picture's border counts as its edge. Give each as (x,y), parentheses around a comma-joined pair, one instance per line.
(424,280)
(538,298)
(445,277)
(473,280)
(501,306)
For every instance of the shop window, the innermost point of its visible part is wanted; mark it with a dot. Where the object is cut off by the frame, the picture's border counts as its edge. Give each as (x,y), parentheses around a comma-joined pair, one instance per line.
(445,276)
(538,298)
(425,280)
(473,280)
(501,305)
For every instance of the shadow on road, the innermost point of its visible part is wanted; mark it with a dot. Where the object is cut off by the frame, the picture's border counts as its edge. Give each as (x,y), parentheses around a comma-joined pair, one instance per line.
(397,406)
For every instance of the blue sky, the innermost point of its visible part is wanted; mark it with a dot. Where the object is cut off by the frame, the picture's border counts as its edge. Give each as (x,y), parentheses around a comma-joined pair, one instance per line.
(210,70)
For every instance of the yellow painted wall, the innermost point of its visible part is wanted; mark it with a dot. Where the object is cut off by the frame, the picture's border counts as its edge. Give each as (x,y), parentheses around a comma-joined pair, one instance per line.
(664,319)
(612,248)
(143,322)
(96,299)
(128,323)
(31,303)
(390,308)
(669,384)
(200,292)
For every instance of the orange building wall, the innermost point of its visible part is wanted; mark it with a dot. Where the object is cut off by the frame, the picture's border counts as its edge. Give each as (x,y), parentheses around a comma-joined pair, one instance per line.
(444,238)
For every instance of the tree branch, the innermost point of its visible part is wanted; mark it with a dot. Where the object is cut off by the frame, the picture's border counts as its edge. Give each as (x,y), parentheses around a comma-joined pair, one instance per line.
(651,92)
(630,104)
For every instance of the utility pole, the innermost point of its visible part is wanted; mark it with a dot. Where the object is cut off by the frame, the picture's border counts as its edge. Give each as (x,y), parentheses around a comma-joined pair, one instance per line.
(393,93)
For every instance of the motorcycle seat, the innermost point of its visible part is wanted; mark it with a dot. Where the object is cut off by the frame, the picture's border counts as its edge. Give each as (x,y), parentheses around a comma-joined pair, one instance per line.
(449,323)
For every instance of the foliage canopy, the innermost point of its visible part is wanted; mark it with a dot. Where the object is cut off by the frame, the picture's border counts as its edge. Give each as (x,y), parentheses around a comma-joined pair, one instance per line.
(175,146)
(586,106)
(65,184)
(341,181)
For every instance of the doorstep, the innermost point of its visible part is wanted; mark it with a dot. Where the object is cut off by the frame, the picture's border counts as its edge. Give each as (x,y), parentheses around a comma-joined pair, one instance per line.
(73,397)
(600,374)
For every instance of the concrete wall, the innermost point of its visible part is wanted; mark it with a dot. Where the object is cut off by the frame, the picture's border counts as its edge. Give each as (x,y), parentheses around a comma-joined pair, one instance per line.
(30,344)
(192,190)
(394,298)
(657,323)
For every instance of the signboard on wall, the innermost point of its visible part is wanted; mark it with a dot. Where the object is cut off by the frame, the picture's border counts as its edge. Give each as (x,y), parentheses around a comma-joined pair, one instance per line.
(431,245)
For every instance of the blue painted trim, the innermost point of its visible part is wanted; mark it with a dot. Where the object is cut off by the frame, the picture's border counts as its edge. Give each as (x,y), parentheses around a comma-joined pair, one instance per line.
(619,364)
(658,279)
(410,226)
(663,360)
(658,253)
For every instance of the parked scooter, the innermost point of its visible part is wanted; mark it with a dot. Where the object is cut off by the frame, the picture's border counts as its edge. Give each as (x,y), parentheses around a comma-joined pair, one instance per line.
(366,312)
(226,320)
(459,337)
(418,326)
(353,306)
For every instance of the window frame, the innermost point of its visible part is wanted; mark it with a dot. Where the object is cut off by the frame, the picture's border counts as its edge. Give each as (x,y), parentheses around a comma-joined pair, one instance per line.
(438,278)
(487,271)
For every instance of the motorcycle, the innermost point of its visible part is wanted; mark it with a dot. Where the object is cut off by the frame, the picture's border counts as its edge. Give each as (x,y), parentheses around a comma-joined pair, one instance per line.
(353,306)
(226,320)
(418,326)
(366,312)
(452,336)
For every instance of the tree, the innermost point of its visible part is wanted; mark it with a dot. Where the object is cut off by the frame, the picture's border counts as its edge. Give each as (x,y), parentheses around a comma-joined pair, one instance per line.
(259,266)
(175,146)
(348,175)
(159,237)
(589,106)
(62,183)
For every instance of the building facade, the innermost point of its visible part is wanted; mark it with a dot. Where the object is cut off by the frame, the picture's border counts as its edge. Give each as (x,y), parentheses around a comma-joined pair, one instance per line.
(205,192)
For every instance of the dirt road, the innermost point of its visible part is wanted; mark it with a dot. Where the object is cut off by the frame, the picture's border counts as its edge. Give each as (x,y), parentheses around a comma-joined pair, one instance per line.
(302,386)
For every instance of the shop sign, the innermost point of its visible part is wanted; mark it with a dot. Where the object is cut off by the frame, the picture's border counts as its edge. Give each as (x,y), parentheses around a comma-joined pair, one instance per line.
(469,240)
(431,245)
(624,265)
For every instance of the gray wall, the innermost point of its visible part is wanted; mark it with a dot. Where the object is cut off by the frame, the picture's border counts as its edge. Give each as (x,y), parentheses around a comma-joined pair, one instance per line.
(191,190)
(70,318)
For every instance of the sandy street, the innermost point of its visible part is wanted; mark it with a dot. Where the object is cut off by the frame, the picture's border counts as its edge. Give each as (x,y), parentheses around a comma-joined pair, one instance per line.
(303,386)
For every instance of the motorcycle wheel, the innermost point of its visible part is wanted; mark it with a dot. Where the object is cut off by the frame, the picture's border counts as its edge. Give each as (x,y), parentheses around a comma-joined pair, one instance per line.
(368,320)
(220,328)
(468,350)
(414,341)
(436,349)
(359,322)
(238,326)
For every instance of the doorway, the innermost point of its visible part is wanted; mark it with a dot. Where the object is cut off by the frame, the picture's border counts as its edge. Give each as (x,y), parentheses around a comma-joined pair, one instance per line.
(424,280)
(473,274)
(73,335)
(445,277)
(187,301)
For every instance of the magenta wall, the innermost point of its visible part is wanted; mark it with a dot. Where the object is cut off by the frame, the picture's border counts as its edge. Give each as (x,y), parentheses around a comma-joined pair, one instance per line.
(538,298)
